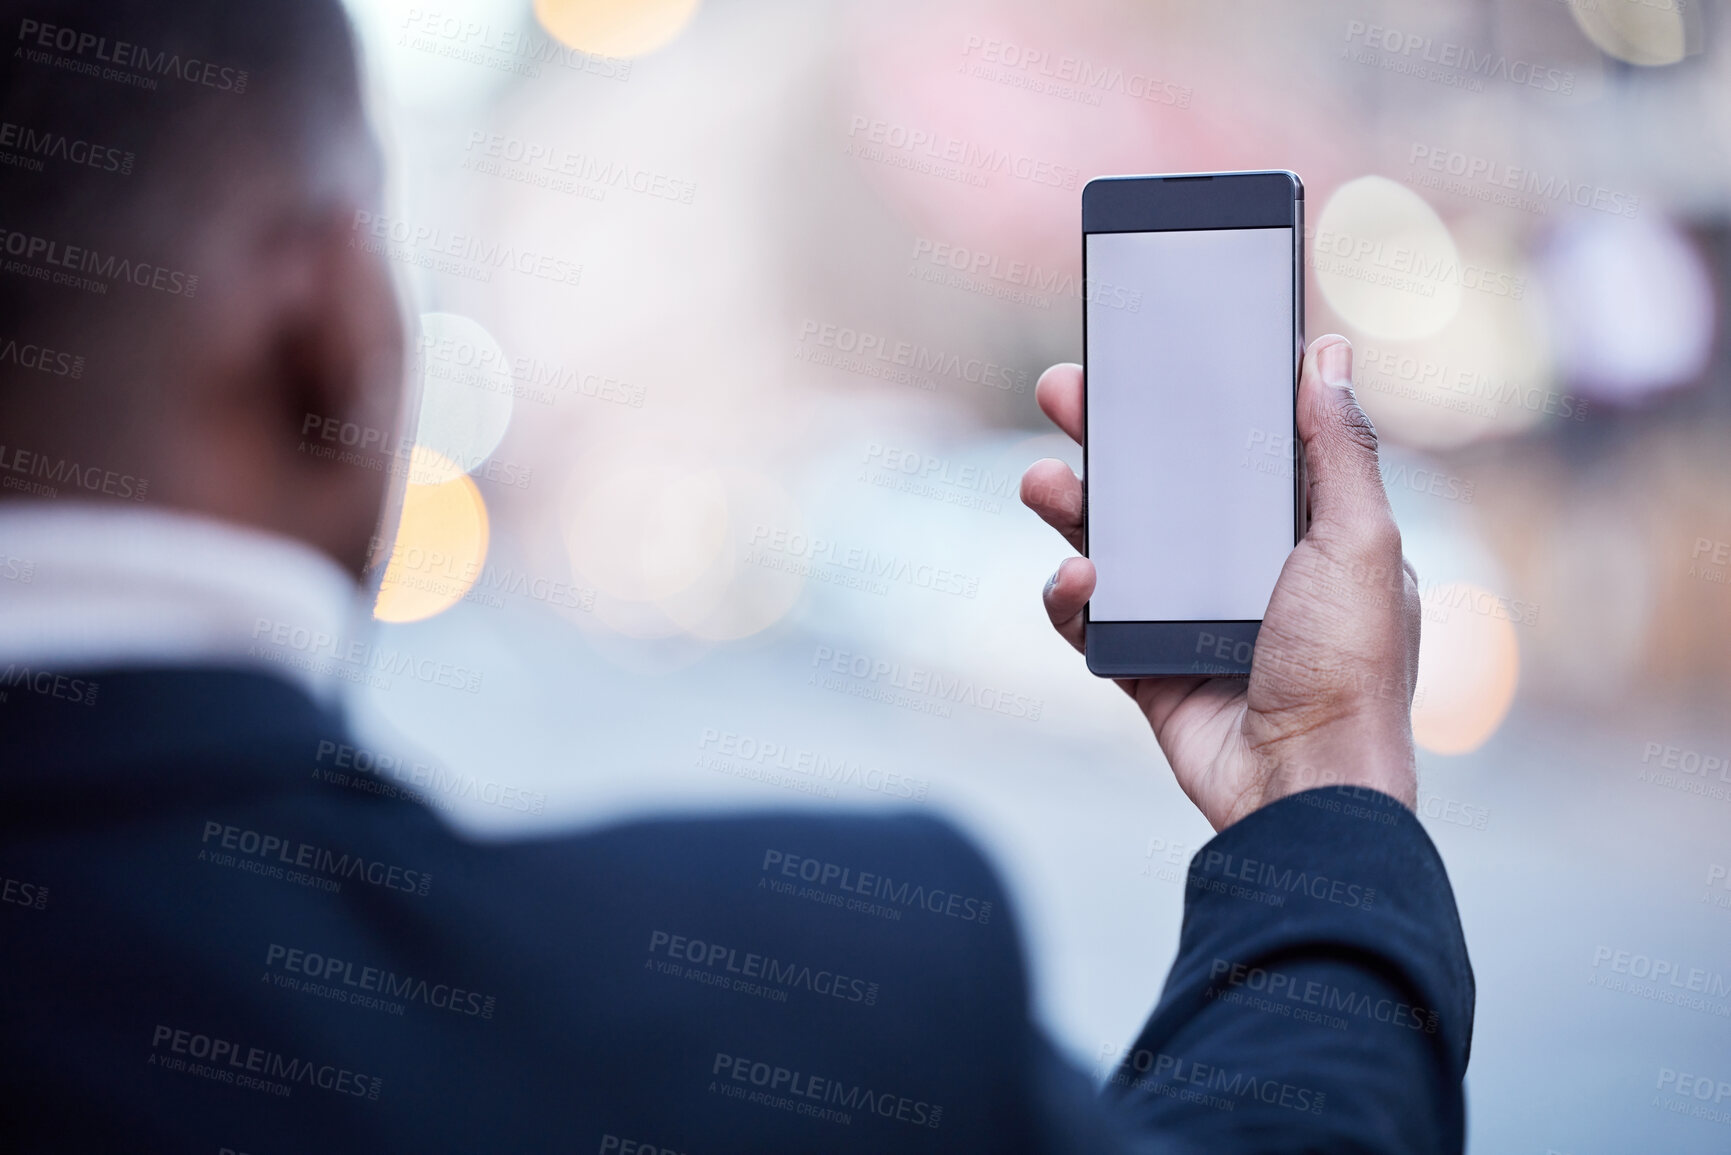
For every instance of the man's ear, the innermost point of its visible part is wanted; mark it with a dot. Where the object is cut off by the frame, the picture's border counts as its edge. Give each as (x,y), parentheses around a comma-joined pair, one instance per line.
(334,353)
(338,353)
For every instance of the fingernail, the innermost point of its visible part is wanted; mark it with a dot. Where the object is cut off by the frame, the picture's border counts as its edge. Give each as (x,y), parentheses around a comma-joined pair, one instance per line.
(1052,582)
(1335,363)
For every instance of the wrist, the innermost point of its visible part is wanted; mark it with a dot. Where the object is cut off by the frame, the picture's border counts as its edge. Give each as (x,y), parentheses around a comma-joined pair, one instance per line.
(1380,759)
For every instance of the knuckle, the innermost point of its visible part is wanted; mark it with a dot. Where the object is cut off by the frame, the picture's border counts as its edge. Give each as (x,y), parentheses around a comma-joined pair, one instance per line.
(1378,537)
(1357,427)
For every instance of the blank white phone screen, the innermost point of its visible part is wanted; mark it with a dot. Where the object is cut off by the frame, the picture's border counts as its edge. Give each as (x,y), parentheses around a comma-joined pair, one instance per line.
(1190,494)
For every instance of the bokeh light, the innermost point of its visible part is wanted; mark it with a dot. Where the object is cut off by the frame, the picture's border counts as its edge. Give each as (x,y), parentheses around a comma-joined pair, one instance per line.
(1385,261)
(466,396)
(646,532)
(1645,32)
(615,27)
(441,544)
(1469,666)
(745,588)
(1487,373)
(704,553)
(1634,307)
(423,56)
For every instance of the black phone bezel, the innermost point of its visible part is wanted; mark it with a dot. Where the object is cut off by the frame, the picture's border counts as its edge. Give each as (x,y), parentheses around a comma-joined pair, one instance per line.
(1176,202)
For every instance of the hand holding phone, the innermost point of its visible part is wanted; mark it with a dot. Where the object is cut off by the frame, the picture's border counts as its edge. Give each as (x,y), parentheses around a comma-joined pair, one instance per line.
(1329,696)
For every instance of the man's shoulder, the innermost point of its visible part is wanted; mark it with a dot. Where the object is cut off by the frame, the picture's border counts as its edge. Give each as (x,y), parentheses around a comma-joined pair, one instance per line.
(899,858)
(848,964)
(835,889)
(152,743)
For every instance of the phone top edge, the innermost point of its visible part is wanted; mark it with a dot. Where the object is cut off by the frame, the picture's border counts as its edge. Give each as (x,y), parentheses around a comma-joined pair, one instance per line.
(1157,202)
(1297,181)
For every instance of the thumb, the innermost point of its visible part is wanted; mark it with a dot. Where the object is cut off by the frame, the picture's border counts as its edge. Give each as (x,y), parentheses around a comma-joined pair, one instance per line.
(1346,493)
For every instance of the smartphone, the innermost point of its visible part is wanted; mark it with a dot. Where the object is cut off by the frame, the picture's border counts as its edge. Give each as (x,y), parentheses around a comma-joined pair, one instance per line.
(1193,330)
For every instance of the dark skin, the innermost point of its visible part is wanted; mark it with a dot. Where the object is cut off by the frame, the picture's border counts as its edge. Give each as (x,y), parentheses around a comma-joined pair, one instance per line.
(1329,697)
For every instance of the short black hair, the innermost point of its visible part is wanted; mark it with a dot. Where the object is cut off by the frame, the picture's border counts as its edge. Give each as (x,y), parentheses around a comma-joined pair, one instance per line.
(119,119)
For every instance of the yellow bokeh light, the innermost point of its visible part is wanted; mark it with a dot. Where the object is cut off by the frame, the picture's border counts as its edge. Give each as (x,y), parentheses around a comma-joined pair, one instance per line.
(1385,261)
(1469,665)
(441,543)
(1645,32)
(615,27)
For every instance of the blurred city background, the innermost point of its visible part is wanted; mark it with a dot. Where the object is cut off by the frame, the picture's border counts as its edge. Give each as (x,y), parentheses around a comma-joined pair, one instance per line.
(729,316)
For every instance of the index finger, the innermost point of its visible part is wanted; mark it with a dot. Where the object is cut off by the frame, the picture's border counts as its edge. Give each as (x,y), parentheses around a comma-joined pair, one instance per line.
(1059,393)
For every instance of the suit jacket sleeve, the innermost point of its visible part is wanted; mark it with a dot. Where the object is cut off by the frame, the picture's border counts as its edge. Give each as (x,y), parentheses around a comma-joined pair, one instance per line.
(1322,998)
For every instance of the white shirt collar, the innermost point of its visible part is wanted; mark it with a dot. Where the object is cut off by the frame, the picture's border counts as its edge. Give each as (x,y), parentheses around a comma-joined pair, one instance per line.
(86,586)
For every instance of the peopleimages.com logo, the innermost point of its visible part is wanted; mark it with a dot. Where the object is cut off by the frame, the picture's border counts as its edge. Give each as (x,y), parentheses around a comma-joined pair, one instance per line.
(273,851)
(358,983)
(257,1068)
(81,267)
(1447,62)
(27,147)
(90,54)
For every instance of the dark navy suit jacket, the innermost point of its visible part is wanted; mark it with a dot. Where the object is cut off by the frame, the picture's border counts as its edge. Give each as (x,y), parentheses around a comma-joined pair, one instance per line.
(212,940)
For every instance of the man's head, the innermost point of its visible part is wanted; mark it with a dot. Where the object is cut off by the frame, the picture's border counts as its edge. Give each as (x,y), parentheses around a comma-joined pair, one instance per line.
(177,193)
